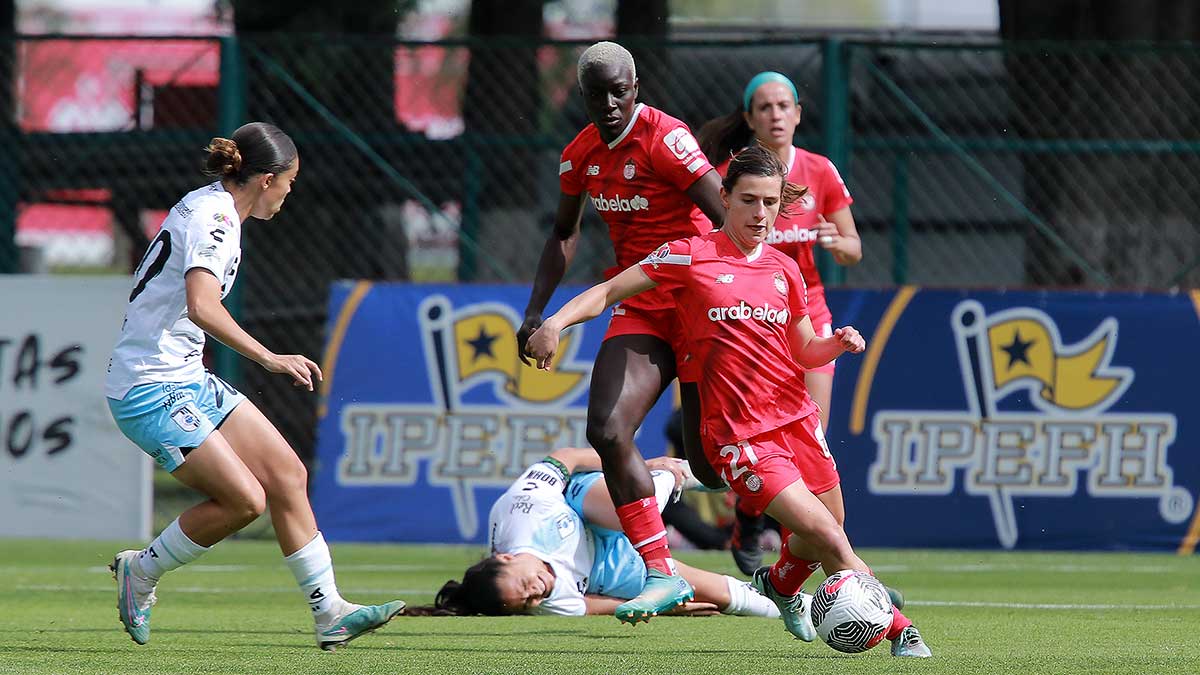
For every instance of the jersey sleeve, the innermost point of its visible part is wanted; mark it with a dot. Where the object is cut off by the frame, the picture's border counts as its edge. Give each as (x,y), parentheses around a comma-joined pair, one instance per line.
(570,167)
(676,156)
(669,265)
(210,244)
(573,605)
(834,193)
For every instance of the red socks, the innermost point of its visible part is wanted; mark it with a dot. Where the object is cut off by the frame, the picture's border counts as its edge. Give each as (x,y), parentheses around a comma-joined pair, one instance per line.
(789,573)
(899,623)
(643,525)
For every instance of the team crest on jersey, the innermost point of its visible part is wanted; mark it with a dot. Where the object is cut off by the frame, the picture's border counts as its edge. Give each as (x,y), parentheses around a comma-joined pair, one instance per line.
(187,418)
(630,170)
(781,283)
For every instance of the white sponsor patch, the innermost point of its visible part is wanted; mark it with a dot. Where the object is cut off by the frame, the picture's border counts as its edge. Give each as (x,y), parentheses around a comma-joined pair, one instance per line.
(564,167)
(685,148)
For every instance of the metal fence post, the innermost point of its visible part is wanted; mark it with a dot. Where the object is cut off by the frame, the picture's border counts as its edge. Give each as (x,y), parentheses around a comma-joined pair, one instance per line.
(836,124)
(231,113)
(900,218)
(469,224)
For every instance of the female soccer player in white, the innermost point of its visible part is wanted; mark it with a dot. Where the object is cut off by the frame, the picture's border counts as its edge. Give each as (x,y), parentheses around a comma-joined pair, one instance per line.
(743,307)
(195,425)
(557,548)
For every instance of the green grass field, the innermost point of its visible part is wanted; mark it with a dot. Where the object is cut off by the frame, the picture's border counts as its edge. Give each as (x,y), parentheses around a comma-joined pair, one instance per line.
(238,611)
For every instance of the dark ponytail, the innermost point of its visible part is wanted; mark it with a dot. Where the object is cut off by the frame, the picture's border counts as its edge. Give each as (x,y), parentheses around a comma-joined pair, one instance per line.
(721,137)
(758,160)
(255,148)
(476,594)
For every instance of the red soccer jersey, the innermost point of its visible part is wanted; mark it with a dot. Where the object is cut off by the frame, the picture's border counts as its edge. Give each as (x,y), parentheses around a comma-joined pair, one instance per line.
(796,234)
(736,311)
(638,184)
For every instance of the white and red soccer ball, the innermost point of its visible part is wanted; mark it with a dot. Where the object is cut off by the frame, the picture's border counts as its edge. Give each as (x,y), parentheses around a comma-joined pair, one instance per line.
(851,611)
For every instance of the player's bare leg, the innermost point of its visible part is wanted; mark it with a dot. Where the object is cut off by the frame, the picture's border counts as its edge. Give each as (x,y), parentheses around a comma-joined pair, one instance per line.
(630,373)
(285,481)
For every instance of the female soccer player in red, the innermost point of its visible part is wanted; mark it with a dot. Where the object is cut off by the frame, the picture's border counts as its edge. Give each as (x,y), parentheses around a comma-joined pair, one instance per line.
(746,322)
(644,174)
(769,114)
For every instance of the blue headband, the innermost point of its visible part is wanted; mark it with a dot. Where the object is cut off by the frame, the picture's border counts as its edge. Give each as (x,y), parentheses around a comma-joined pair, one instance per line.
(763,78)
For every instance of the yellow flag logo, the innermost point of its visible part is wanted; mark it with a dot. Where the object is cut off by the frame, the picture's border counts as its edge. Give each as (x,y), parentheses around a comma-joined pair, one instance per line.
(486,342)
(1027,348)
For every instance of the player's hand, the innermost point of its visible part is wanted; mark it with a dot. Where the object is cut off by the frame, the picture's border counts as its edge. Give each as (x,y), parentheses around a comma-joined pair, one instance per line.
(851,340)
(827,233)
(695,609)
(532,323)
(301,369)
(677,467)
(542,345)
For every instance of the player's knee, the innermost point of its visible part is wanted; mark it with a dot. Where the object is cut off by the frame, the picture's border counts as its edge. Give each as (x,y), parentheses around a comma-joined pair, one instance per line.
(290,479)
(607,435)
(246,507)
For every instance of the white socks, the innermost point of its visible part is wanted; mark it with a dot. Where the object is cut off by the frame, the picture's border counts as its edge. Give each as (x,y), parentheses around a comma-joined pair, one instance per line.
(664,487)
(313,569)
(171,550)
(745,601)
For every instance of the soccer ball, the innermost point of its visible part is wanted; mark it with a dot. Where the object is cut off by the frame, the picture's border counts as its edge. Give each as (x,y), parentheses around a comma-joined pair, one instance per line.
(851,611)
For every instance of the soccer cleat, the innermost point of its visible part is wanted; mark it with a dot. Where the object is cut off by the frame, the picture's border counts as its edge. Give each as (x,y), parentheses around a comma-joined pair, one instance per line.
(355,621)
(909,643)
(745,542)
(135,597)
(662,593)
(794,610)
(896,597)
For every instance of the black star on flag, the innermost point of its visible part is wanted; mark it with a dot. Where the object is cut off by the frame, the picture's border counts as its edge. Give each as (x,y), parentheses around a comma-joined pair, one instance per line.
(482,344)
(1018,351)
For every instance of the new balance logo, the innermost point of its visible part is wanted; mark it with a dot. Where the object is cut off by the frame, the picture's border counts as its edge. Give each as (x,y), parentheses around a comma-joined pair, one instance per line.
(744,312)
(724,278)
(618,203)
(593,170)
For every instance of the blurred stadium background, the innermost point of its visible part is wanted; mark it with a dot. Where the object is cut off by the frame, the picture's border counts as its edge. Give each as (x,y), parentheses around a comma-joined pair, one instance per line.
(1027,154)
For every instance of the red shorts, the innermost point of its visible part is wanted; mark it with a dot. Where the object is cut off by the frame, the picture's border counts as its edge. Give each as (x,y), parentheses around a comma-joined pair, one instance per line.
(822,323)
(759,468)
(663,324)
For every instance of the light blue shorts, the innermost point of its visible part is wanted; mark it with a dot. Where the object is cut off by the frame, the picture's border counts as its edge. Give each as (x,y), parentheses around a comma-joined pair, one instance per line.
(167,420)
(617,570)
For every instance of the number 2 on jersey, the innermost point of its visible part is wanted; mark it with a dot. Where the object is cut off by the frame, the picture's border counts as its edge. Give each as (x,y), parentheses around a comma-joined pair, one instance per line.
(734,453)
(156,267)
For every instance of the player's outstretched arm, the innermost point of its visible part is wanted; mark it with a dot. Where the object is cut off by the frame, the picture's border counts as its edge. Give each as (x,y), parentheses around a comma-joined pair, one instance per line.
(583,307)
(556,257)
(206,311)
(811,351)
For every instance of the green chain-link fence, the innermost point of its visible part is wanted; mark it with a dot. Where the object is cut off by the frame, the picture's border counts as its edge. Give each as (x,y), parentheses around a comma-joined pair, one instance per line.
(971,164)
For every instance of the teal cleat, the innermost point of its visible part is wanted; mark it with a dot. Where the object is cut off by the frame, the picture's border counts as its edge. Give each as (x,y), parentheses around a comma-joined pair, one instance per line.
(135,597)
(896,597)
(356,621)
(909,643)
(662,593)
(793,609)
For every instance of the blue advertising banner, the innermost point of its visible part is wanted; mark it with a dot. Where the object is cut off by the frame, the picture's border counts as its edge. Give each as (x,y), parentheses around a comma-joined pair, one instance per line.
(427,415)
(1033,420)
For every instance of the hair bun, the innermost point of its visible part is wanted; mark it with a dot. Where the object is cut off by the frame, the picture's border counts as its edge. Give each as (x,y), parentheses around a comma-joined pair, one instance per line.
(224,159)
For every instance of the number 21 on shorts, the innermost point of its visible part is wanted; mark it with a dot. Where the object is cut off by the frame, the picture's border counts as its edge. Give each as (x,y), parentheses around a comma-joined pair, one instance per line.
(741,458)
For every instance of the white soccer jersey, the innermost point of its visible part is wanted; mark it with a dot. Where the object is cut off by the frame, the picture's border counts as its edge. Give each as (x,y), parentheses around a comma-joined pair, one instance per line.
(158,342)
(533,517)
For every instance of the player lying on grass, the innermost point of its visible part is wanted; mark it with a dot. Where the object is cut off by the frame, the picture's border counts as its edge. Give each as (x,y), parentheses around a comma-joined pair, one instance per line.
(557,548)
